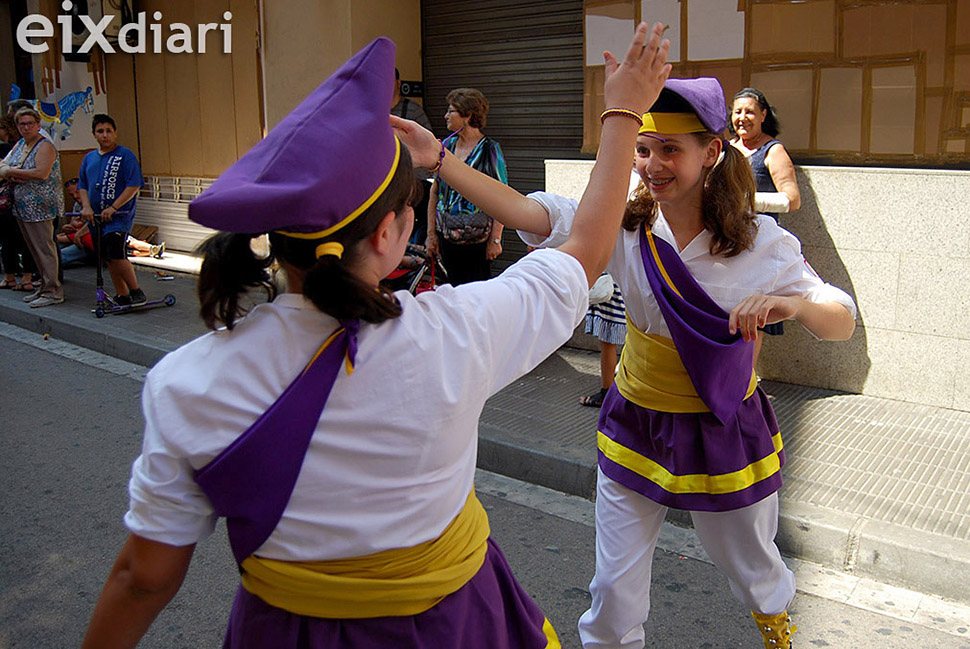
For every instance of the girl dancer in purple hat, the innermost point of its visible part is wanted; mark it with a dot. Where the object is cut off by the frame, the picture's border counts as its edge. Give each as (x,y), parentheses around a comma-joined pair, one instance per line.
(685,424)
(354,524)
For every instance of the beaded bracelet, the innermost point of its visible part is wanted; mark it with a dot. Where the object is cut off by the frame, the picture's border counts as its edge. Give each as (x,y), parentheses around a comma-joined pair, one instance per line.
(441,158)
(610,112)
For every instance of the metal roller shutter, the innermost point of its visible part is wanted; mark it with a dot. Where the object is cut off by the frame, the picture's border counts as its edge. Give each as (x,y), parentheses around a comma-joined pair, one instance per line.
(164,203)
(527,58)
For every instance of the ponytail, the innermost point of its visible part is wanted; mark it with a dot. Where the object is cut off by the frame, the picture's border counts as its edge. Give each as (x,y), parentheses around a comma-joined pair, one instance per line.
(230,269)
(727,203)
(331,285)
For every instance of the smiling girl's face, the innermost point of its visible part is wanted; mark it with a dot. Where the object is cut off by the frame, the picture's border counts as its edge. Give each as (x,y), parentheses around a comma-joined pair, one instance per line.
(674,169)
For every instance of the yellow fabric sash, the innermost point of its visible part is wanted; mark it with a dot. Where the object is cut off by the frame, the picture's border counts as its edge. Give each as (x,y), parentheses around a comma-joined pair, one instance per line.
(652,375)
(402,581)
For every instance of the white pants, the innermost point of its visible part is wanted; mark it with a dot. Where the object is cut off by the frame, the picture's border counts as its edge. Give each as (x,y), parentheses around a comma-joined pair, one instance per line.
(740,543)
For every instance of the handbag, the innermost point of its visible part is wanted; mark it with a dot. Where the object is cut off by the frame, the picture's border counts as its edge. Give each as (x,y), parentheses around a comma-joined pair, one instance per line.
(6,186)
(6,197)
(466,227)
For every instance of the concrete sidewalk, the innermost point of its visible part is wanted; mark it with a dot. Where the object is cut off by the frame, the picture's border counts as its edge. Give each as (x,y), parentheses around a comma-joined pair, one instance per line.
(874,487)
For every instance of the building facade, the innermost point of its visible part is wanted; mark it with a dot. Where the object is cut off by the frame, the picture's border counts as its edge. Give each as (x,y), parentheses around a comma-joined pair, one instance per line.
(874,98)
(870,82)
(873,82)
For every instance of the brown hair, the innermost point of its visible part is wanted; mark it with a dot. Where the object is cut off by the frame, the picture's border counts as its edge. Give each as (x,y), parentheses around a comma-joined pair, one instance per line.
(11,134)
(727,203)
(470,103)
(230,268)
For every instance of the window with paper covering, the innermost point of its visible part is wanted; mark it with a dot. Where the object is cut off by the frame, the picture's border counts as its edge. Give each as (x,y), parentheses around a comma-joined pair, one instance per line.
(881,82)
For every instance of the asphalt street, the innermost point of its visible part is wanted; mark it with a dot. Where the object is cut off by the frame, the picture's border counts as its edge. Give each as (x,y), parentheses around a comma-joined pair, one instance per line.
(70,425)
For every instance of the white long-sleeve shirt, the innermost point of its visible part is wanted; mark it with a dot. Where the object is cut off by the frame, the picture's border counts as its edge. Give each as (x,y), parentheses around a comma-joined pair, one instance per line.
(394,454)
(773,266)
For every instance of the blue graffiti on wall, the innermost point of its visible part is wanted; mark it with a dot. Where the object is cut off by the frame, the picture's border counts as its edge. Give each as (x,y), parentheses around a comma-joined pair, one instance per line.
(58,117)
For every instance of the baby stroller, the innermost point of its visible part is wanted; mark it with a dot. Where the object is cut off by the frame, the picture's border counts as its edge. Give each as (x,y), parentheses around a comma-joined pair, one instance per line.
(417,273)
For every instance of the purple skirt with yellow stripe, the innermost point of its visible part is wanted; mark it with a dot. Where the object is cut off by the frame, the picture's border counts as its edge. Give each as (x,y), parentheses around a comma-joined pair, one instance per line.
(491,611)
(690,460)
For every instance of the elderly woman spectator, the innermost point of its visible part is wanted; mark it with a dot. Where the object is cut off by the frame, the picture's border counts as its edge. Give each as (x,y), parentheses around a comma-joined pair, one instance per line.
(467,238)
(34,166)
(755,125)
(16,259)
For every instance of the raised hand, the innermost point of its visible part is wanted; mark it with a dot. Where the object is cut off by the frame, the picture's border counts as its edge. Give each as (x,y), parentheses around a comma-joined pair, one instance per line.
(424,147)
(636,82)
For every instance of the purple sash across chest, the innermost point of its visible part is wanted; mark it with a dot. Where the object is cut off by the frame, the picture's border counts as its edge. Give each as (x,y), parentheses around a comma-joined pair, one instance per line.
(251,481)
(718,363)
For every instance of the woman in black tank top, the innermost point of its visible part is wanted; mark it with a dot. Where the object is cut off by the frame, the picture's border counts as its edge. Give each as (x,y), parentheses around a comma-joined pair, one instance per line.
(755,127)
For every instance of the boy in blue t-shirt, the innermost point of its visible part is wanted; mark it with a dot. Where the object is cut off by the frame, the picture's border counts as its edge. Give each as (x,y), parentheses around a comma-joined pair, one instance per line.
(109,181)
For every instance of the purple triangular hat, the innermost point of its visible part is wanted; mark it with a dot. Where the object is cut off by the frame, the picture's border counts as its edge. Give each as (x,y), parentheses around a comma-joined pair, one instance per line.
(322,165)
(706,97)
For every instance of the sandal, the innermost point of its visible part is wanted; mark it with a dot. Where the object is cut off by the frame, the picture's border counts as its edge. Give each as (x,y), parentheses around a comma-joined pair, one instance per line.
(9,283)
(27,287)
(594,400)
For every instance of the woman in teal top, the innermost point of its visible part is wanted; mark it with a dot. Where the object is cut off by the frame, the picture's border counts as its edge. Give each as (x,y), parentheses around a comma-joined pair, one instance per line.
(467,238)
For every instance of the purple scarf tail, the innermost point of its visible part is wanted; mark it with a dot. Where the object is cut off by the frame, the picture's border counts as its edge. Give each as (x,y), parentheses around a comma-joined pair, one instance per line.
(250,482)
(719,364)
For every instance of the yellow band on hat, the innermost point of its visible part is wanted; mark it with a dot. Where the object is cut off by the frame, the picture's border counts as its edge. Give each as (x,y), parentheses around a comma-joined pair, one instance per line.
(672,123)
(334,248)
(360,210)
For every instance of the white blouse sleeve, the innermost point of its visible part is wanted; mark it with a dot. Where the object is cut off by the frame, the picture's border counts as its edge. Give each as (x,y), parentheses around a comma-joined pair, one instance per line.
(165,503)
(561,212)
(494,332)
(795,276)
(549,298)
